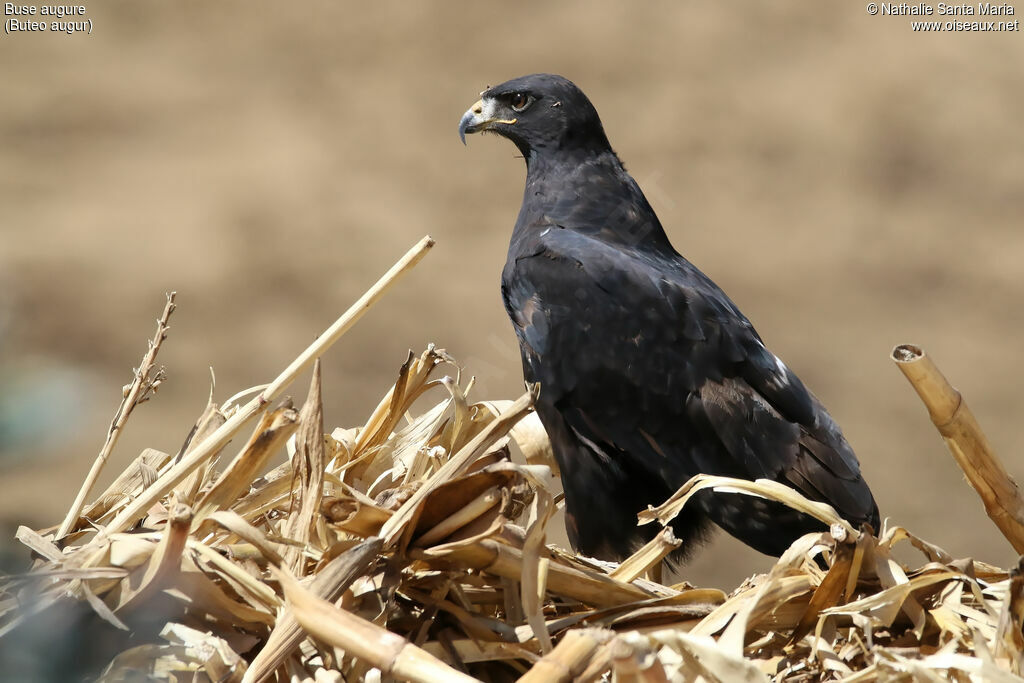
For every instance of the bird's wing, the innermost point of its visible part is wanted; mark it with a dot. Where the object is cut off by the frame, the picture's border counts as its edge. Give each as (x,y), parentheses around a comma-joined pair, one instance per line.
(644,355)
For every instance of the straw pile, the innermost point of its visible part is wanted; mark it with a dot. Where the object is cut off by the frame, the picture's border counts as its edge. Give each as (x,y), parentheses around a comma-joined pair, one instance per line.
(413,548)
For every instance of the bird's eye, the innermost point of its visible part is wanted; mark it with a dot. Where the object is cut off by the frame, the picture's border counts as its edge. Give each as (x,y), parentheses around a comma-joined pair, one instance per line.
(520,101)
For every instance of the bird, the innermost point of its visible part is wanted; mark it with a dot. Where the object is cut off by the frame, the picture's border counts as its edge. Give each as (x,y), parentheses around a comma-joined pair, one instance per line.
(648,373)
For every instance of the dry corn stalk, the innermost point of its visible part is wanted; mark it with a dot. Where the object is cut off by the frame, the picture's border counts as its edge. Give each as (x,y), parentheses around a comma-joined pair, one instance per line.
(966,441)
(413,546)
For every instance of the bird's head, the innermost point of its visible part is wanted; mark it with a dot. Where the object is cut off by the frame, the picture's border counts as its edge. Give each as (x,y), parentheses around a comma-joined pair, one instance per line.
(539,113)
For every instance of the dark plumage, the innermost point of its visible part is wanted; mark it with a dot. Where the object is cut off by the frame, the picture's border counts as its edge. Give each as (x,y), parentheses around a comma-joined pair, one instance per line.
(648,373)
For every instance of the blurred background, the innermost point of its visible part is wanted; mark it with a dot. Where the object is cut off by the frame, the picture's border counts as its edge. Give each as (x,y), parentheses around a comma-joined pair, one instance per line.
(850,183)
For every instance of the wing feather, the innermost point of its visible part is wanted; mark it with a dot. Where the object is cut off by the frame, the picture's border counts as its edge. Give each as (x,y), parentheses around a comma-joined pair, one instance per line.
(654,361)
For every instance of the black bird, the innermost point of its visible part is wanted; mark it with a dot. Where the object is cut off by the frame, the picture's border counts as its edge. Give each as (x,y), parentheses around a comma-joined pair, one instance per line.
(649,373)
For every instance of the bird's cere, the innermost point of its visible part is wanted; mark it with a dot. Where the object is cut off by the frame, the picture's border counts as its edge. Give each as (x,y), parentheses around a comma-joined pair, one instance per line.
(480,117)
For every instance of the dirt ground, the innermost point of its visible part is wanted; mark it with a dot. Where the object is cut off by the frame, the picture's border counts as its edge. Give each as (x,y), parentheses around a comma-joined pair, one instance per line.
(851,183)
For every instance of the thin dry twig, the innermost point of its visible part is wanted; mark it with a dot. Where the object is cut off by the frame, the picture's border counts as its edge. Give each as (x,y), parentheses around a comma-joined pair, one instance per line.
(215,441)
(142,386)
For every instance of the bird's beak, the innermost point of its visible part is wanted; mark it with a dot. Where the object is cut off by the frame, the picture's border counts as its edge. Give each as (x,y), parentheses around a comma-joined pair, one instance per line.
(481,116)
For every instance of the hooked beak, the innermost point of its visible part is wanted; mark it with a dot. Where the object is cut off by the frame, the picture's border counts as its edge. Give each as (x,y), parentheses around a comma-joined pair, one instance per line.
(480,117)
